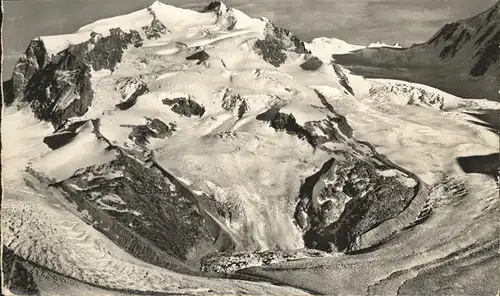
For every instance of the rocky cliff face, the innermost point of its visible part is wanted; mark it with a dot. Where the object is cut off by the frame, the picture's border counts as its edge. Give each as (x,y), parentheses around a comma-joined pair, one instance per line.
(477,39)
(58,87)
(277,43)
(367,195)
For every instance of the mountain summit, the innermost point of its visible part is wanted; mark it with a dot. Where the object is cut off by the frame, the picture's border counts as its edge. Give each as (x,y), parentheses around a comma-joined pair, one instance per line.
(172,151)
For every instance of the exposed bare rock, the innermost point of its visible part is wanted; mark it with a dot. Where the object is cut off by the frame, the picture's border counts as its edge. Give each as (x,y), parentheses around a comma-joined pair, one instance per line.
(312,64)
(231,101)
(131,88)
(154,128)
(354,197)
(286,122)
(33,60)
(277,42)
(223,262)
(59,87)
(343,79)
(186,107)
(60,90)
(107,51)
(17,278)
(63,135)
(126,197)
(156,29)
(215,6)
(201,56)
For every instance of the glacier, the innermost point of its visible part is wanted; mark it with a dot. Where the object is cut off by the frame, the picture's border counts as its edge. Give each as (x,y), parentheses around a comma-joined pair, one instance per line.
(170,151)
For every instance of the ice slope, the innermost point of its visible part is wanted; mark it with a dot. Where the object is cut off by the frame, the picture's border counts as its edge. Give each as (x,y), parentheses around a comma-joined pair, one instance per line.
(254,171)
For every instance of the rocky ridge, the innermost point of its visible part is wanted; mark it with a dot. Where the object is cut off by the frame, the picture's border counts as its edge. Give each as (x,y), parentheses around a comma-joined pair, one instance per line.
(468,47)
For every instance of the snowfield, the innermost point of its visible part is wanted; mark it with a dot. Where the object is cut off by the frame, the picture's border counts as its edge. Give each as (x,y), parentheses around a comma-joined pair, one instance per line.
(204,123)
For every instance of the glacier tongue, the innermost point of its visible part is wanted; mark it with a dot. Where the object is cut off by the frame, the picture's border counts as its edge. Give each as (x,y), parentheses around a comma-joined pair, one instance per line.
(184,141)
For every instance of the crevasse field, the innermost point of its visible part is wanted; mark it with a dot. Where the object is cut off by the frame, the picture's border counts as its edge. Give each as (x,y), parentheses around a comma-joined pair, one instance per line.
(178,159)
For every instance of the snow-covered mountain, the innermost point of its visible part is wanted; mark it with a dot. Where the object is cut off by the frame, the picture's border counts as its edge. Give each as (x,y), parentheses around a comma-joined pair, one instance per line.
(170,151)
(467,50)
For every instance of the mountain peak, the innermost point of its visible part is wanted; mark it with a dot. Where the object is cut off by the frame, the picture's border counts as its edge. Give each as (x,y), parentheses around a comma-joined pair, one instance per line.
(156,3)
(216,6)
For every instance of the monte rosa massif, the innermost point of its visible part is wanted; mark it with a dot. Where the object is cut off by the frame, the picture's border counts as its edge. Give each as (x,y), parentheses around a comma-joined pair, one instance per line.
(178,152)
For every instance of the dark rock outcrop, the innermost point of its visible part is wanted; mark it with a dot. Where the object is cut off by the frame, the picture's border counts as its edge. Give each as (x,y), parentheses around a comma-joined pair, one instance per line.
(339,119)
(131,88)
(243,108)
(62,89)
(444,34)
(31,62)
(334,129)
(343,79)
(481,164)
(201,56)
(276,43)
(286,122)
(7,92)
(185,106)
(154,128)
(355,200)
(312,64)
(58,140)
(223,13)
(107,51)
(124,197)
(325,131)
(156,29)
(214,6)
(17,277)
(59,87)
(231,101)
(487,56)
(63,135)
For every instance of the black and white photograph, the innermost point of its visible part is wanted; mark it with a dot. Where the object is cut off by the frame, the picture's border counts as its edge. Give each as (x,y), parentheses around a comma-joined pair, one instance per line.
(193,147)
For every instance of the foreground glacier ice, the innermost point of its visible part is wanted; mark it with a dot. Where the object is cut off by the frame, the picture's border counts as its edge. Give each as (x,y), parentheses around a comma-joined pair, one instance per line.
(142,145)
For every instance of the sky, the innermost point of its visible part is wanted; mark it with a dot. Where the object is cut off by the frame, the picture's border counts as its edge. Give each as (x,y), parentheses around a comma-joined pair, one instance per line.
(356,21)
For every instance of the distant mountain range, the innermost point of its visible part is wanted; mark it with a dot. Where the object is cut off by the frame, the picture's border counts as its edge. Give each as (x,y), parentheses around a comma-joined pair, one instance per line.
(462,58)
